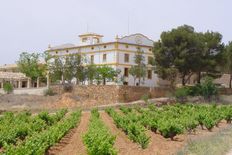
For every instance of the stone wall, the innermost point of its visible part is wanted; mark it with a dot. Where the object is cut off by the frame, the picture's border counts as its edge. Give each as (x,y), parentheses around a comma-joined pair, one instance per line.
(133,93)
(225,91)
(28,91)
(109,94)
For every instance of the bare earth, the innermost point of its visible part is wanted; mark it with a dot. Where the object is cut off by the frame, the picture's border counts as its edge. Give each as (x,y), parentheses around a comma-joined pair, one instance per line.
(72,143)
(158,144)
(122,143)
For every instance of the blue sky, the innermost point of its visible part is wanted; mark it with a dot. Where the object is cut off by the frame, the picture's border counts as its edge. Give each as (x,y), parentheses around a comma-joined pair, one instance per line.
(30,25)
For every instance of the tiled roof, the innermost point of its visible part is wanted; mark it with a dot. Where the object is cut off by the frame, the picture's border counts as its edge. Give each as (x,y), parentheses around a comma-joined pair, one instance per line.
(62,46)
(11,75)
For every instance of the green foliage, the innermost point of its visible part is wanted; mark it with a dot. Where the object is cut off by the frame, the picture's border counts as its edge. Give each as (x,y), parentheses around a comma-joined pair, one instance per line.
(195,90)
(106,73)
(38,143)
(49,92)
(228,64)
(184,52)
(169,120)
(67,67)
(67,88)
(146,97)
(29,64)
(91,72)
(177,49)
(125,110)
(208,88)
(170,128)
(139,70)
(8,87)
(131,127)
(18,127)
(98,139)
(181,94)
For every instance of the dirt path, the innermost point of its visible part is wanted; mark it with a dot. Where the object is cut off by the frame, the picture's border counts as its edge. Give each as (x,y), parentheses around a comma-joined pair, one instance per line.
(122,143)
(158,144)
(72,143)
(229,153)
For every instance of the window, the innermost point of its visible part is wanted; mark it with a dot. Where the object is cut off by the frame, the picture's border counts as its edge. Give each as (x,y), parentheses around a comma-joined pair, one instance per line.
(105,46)
(150,60)
(126,57)
(84,39)
(125,83)
(56,52)
(104,57)
(92,48)
(96,40)
(92,59)
(126,72)
(149,49)
(149,74)
(66,51)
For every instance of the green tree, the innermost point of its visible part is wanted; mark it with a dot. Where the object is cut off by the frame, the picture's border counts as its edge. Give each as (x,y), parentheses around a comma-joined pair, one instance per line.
(91,72)
(79,68)
(188,52)
(56,69)
(210,58)
(66,68)
(133,72)
(176,51)
(106,73)
(29,64)
(8,87)
(228,64)
(139,70)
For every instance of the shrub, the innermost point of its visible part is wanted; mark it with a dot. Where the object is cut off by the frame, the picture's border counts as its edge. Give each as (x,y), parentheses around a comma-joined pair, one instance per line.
(194,90)
(181,94)
(98,139)
(145,97)
(49,92)
(170,128)
(67,88)
(208,88)
(8,88)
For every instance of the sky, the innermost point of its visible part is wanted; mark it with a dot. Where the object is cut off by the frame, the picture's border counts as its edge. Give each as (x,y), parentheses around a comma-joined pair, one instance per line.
(31,25)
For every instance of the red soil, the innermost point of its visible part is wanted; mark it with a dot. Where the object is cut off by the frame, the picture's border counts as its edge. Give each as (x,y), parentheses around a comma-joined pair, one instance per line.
(72,143)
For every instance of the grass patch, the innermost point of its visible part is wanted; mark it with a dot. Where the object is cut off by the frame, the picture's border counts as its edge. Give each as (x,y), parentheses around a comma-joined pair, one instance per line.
(218,144)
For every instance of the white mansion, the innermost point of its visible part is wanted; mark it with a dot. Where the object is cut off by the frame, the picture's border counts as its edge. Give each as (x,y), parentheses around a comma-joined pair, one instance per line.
(118,54)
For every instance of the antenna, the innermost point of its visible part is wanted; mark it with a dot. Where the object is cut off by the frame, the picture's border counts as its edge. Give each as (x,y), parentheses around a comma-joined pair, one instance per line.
(128,24)
(87,27)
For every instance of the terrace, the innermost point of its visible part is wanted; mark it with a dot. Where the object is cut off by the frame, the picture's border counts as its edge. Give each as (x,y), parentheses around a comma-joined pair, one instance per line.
(18,80)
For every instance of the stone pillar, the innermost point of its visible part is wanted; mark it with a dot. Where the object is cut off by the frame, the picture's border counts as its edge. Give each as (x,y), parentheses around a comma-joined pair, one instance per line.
(37,82)
(2,84)
(28,83)
(48,80)
(20,84)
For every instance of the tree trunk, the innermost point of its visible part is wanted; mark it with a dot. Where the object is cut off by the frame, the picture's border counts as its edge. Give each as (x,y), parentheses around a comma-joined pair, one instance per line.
(183,80)
(230,85)
(104,81)
(199,77)
(62,79)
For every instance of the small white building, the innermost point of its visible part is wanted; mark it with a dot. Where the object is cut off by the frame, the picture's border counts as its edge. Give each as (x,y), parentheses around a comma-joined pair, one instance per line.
(118,54)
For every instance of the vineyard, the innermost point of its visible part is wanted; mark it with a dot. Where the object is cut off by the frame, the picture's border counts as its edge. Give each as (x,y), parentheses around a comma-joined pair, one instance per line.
(143,128)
